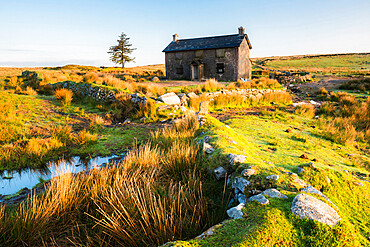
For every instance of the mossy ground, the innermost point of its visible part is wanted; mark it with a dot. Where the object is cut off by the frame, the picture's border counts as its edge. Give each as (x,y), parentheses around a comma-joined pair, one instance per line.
(261,135)
(27,117)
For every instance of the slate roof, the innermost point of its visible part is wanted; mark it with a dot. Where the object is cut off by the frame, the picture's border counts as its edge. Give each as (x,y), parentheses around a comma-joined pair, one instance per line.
(215,42)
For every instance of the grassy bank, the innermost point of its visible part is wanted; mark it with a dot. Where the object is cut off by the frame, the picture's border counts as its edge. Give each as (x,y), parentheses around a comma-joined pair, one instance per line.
(340,64)
(273,141)
(160,193)
(35,129)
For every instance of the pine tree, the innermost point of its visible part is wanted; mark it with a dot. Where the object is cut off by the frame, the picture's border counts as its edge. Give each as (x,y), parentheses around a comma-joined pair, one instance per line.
(119,54)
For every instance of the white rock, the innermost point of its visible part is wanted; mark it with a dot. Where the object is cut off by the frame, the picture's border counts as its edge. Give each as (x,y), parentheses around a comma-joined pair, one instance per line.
(242,198)
(272,177)
(236,212)
(248,172)
(239,184)
(274,193)
(259,198)
(233,158)
(306,206)
(183,109)
(312,190)
(207,148)
(170,98)
(220,172)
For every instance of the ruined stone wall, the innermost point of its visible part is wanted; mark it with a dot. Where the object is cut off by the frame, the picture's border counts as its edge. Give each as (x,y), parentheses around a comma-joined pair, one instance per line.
(109,96)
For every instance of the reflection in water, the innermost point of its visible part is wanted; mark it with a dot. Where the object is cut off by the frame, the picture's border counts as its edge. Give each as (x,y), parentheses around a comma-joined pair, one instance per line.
(13,181)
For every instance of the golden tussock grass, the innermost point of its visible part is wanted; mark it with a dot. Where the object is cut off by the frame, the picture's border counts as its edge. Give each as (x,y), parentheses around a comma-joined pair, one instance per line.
(130,204)
(260,83)
(346,119)
(64,95)
(237,100)
(211,85)
(306,110)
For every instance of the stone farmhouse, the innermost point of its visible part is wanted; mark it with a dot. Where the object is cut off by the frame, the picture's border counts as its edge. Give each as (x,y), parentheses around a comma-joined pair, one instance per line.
(225,58)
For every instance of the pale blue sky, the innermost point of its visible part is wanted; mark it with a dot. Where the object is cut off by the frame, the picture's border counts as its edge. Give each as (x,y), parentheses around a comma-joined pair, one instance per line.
(50,33)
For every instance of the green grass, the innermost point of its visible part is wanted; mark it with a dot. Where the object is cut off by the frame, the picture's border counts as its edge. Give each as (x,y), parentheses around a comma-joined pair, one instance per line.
(351,64)
(28,137)
(275,225)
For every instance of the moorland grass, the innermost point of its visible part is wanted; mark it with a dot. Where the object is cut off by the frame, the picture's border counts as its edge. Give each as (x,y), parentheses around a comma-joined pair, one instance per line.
(154,196)
(335,64)
(274,224)
(345,119)
(236,100)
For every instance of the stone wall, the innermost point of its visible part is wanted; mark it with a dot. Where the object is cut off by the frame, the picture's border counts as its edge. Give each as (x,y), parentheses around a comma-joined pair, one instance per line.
(96,93)
(109,96)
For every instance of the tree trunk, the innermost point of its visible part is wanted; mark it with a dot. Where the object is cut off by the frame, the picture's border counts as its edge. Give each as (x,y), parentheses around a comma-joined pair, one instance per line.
(123,65)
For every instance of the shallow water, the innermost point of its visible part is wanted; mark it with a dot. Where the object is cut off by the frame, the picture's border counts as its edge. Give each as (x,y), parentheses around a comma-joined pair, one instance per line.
(30,177)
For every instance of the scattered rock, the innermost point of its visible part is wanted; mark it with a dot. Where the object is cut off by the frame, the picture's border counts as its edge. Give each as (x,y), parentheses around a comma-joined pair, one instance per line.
(315,103)
(183,109)
(239,184)
(242,198)
(236,212)
(209,232)
(259,198)
(170,98)
(299,182)
(312,190)
(272,177)
(127,121)
(359,184)
(288,130)
(328,180)
(232,141)
(306,206)
(192,95)
(256,192)
(292,174)
(274,193)
(303,156)
(203,108)
(234,158)
(314,160)
(248,172)
(220,172)
(300,170)
(207,148)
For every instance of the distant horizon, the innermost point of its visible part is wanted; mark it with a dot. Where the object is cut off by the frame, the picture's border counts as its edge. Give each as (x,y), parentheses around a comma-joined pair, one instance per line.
(117,66)
(44,33)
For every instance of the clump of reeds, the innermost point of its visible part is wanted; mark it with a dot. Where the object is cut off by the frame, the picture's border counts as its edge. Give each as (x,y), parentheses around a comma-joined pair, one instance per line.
(64,95)
(306,110)
(154,196)
(211,85)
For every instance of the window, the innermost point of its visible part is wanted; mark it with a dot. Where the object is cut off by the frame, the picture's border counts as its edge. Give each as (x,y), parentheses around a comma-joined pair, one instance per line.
(180,70)
(199,53)
(220,52)
(220,68)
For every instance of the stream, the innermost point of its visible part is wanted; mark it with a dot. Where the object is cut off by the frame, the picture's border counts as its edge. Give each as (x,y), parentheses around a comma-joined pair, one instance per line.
(13,181)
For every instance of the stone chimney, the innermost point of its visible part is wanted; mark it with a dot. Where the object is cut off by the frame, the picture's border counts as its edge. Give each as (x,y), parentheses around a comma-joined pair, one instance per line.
(241,30)
(175,37)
